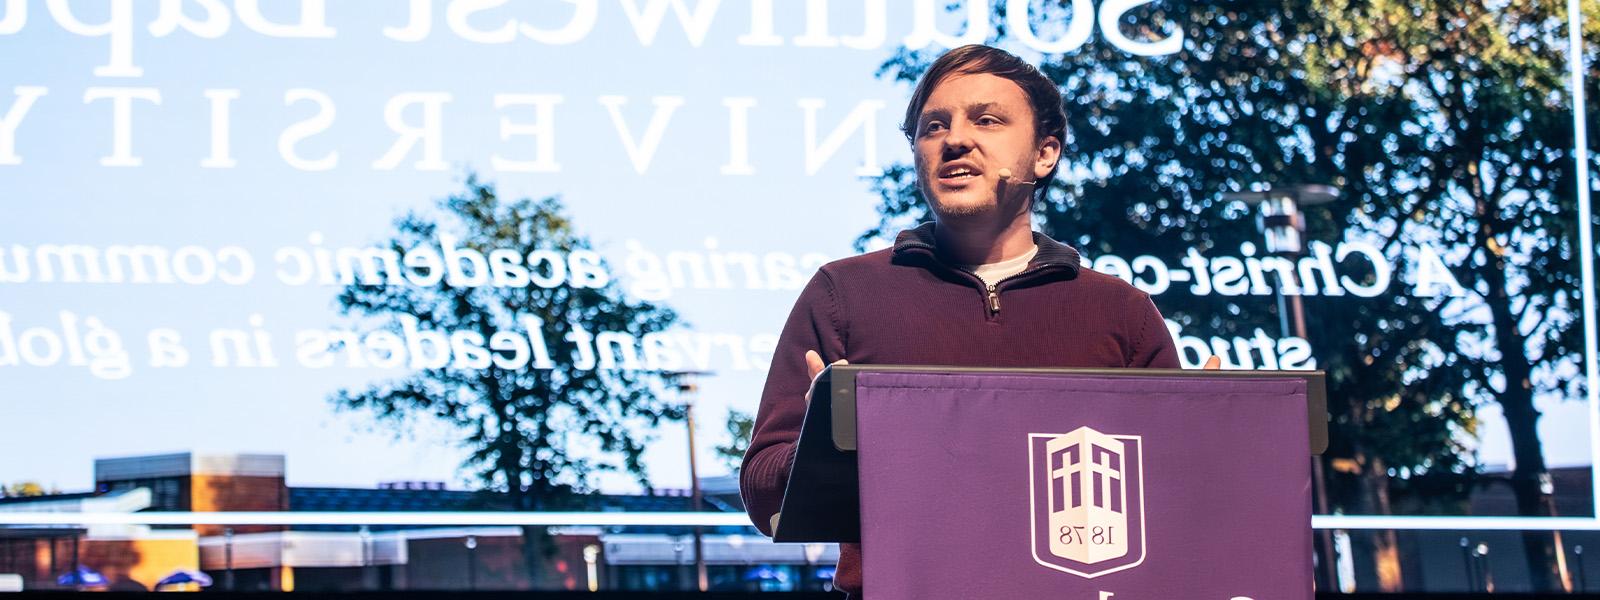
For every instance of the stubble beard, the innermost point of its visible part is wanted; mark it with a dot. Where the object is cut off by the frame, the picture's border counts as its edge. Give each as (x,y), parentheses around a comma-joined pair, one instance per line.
(965,209)
(961,207)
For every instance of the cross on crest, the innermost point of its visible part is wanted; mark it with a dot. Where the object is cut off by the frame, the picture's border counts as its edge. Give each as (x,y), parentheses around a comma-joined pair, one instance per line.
(1087,504)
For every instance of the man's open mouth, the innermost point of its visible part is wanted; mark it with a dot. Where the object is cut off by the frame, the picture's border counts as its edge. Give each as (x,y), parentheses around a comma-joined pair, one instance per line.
(958,172)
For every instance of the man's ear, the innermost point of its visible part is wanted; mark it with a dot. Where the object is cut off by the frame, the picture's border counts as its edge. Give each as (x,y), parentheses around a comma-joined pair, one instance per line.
(1045,160)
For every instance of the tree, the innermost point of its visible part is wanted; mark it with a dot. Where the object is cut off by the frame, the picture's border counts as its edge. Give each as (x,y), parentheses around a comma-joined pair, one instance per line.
(1503,170)
(24,489)
(526,427)
(740,426)
(1442,125)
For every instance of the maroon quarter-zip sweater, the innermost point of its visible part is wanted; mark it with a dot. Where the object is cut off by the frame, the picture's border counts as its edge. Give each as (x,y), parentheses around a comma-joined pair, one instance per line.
(906,306)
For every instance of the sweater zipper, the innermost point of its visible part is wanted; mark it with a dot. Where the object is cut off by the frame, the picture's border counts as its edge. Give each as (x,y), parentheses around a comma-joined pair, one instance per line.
(991,291)
(994,288)
(991,298)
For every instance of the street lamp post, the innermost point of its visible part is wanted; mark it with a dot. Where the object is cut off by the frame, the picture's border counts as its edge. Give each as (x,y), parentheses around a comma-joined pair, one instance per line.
(365,533)
(591,563)
(472,562)
(686,386)
(813,554)
(1485,578)
(677,560)
(1583,576)
(227,558)
(1283,228)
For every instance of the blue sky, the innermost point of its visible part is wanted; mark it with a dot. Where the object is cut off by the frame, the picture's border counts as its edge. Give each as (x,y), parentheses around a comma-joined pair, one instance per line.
(56,420)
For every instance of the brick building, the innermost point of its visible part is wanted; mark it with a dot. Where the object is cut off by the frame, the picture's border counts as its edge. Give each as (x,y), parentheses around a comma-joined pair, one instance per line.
(348,558)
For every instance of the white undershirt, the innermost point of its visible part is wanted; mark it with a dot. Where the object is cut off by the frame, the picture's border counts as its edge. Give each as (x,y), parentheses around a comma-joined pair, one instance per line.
(993,273)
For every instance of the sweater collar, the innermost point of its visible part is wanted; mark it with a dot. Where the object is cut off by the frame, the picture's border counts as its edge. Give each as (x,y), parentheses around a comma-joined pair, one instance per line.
(1052,254)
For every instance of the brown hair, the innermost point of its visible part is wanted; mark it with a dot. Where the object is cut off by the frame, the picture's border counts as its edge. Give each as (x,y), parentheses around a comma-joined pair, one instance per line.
(1049,119)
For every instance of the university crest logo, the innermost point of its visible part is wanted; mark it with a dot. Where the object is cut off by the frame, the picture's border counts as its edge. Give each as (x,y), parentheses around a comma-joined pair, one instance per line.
(1087,498)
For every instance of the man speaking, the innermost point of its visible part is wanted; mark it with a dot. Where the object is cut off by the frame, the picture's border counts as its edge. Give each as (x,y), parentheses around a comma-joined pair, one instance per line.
(977,287)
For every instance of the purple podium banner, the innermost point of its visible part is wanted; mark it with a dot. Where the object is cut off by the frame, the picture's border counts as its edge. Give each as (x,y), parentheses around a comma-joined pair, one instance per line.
(1083,488)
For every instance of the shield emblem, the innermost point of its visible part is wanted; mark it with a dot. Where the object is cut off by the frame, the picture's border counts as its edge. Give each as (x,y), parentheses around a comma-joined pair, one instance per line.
(1087,500)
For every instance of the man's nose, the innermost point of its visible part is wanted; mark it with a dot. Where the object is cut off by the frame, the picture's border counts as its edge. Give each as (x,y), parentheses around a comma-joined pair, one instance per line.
(957,141)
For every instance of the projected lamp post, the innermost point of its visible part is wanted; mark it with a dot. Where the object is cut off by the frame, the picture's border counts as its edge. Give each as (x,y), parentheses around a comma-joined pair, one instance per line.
(368,579)
(1583,576)
(227,558)
(472,562)
(685,384)
(1283,228)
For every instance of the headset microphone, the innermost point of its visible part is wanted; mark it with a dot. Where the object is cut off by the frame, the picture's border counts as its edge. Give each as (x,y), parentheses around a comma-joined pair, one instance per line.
(1006,180)
(1005,174)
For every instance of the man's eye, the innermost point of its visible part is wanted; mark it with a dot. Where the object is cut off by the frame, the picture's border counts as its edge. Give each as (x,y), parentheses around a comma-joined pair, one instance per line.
(933,127)
(988,120)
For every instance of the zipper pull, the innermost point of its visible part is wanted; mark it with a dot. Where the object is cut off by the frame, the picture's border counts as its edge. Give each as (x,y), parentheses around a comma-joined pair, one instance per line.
(994,300)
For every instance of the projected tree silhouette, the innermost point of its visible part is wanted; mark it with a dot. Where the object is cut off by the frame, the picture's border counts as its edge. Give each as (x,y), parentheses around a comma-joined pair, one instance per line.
(525,427)
(740,426)
(1443,124)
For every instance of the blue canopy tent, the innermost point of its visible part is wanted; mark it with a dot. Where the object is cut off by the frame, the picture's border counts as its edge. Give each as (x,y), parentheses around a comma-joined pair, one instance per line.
(81,577)
(182,578)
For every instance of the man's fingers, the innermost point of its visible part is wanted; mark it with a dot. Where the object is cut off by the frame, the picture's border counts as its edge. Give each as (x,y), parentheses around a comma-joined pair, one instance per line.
(1215,362)
(813,364)
(814,368)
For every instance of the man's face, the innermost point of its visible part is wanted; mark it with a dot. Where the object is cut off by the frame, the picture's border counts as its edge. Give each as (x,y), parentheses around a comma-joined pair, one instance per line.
(972,126)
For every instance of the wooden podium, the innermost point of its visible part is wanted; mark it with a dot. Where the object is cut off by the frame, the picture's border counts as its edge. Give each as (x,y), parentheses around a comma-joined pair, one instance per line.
(1069,483)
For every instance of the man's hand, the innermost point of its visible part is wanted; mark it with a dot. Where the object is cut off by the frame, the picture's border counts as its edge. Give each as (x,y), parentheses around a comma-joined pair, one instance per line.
(814,368)
(1215,362)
